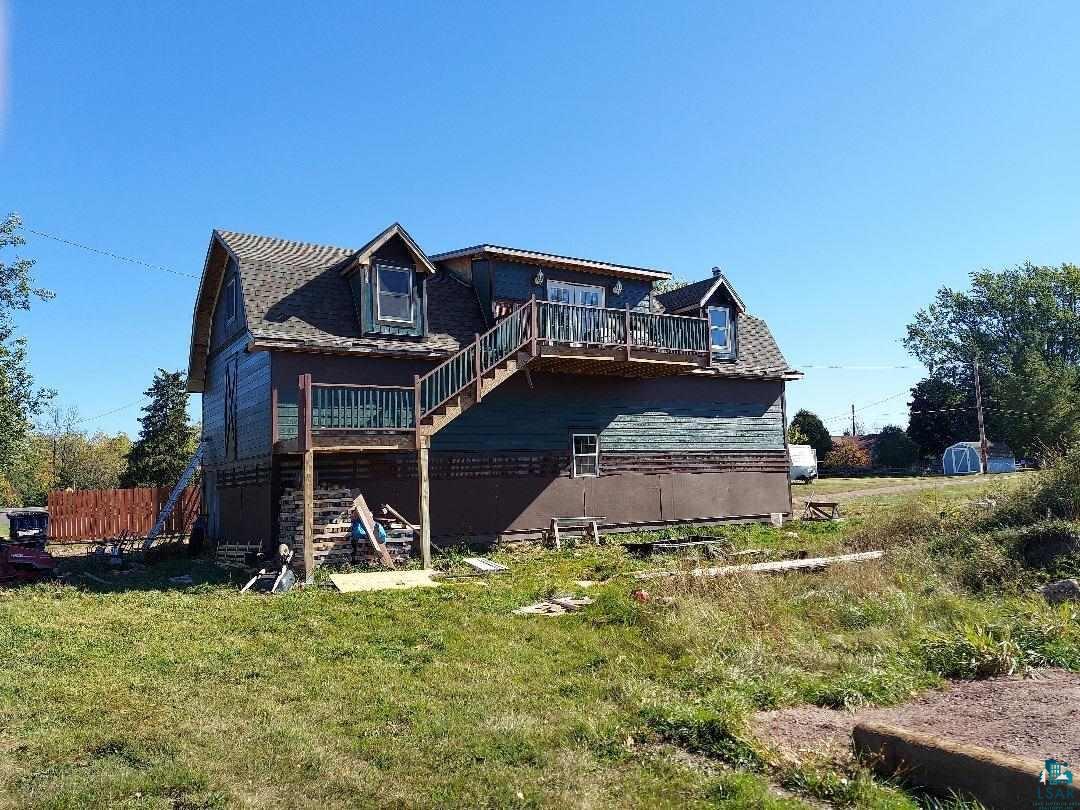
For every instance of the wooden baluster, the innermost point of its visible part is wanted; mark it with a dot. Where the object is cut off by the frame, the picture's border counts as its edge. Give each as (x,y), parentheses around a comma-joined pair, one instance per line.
(627,327)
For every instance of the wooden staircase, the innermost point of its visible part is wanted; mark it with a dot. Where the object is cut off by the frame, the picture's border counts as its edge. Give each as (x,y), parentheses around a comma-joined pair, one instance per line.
(447,412)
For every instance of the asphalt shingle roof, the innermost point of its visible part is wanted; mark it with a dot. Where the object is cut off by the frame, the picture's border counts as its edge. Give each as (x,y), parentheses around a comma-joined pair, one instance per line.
(295,295)
(687,296)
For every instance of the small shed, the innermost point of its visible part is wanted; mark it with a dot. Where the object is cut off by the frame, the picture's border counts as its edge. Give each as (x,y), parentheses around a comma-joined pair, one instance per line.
(964,458)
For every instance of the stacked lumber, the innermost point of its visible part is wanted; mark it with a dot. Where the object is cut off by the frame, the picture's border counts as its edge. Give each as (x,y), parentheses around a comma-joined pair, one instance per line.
(332,529)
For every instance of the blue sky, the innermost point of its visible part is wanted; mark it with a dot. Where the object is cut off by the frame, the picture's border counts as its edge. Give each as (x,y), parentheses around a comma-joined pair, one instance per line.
(840,162)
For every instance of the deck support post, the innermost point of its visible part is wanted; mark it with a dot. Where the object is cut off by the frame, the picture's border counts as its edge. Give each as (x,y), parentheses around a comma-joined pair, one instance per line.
(309,516)
(423,444)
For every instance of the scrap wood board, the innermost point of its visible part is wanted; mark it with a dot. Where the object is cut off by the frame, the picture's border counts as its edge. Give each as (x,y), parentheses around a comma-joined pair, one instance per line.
(767,567)
(485,565)
(383,581)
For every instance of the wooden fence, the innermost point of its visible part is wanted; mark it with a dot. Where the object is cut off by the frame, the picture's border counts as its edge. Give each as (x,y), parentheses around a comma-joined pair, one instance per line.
(99,513)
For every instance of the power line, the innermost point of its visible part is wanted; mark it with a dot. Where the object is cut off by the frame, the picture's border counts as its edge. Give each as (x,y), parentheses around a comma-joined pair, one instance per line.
(148,265)
(107,413)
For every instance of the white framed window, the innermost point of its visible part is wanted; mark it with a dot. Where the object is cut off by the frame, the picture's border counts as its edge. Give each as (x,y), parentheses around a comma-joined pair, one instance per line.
(230,301)
(394,294)
(720,331)
(582,295)
(586,452)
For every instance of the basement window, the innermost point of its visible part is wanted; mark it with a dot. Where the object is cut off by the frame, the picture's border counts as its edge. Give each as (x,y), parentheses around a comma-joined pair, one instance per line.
(394,294)
(586,455)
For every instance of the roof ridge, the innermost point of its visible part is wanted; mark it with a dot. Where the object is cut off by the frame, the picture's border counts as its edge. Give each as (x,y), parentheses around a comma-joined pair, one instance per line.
(243,234)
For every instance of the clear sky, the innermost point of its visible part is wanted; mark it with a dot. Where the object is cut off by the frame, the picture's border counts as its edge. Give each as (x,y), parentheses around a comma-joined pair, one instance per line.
(840,162)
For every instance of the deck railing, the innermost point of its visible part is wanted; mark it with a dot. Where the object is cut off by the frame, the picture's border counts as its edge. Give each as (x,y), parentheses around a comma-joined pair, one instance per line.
(362,407)
(327,407)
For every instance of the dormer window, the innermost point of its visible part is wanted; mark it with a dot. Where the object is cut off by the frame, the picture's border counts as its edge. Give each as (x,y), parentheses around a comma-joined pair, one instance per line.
(394,294)
(721,333)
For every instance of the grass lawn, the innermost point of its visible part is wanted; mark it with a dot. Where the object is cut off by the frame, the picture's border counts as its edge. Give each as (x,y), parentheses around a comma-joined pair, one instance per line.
(142,694)
(828,486)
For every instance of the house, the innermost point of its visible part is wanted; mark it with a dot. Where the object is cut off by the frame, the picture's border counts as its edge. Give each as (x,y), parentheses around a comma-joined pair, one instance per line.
(480,391)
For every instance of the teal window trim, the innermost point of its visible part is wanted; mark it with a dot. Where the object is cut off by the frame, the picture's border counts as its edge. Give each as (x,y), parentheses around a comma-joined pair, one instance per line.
(408,272)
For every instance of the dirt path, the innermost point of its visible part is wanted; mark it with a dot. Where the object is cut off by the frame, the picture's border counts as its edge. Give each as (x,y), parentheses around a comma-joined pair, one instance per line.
(1035,717)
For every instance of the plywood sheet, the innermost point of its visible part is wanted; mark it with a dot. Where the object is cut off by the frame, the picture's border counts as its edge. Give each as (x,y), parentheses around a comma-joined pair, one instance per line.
(383,581)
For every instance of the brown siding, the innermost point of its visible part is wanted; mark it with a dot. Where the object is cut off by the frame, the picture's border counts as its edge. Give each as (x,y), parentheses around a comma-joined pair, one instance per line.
(494,498)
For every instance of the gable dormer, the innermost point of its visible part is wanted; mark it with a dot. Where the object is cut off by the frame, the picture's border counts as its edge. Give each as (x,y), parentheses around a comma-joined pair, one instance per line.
(713,298)
(388,280)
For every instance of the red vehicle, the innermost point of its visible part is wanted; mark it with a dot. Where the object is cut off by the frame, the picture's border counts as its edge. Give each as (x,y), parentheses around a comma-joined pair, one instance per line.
(23,557)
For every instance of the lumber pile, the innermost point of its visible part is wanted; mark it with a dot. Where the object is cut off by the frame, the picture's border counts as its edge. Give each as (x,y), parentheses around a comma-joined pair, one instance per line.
(332,529)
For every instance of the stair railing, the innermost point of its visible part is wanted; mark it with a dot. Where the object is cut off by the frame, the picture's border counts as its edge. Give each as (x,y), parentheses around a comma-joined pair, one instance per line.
(468,366)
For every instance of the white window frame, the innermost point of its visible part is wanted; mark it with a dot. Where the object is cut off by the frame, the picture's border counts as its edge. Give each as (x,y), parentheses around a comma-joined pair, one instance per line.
(378,294)
(231,301)
(574,455)
(552,285)
(717,348)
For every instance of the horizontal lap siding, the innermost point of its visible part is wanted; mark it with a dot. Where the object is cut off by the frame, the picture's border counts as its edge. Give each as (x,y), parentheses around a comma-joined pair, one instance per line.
(667,414)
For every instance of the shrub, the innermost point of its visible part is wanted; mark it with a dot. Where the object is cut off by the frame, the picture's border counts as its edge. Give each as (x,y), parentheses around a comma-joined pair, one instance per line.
(847,451)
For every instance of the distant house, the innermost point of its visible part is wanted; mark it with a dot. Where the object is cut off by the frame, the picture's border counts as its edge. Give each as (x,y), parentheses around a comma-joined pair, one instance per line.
(965,458)
(481,391)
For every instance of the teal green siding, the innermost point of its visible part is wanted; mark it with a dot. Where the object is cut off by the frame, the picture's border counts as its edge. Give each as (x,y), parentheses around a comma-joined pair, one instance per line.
(513,281)
(669,414)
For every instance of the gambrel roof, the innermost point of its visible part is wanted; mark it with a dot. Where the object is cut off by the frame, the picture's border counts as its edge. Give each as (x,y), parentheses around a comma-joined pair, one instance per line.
(296,297)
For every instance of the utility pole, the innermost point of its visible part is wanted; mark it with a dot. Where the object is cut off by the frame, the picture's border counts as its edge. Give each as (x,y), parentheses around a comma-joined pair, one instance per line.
(853,433)
(984,445)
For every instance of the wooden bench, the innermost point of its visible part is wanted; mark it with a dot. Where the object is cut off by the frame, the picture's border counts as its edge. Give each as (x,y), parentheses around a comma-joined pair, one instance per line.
(584,524)
(821,510)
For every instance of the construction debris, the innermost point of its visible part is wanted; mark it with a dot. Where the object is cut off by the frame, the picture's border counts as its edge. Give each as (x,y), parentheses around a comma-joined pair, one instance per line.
(332,531)
(485,566)
(812,563)
(276,577)
(556,606)
(383,581)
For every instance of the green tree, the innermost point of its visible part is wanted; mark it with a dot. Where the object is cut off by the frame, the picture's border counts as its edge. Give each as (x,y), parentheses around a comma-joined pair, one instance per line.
(20,400)
(809,424)
(941,414)
(167,438)
(1022,326)
(796,436)
(894,448)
